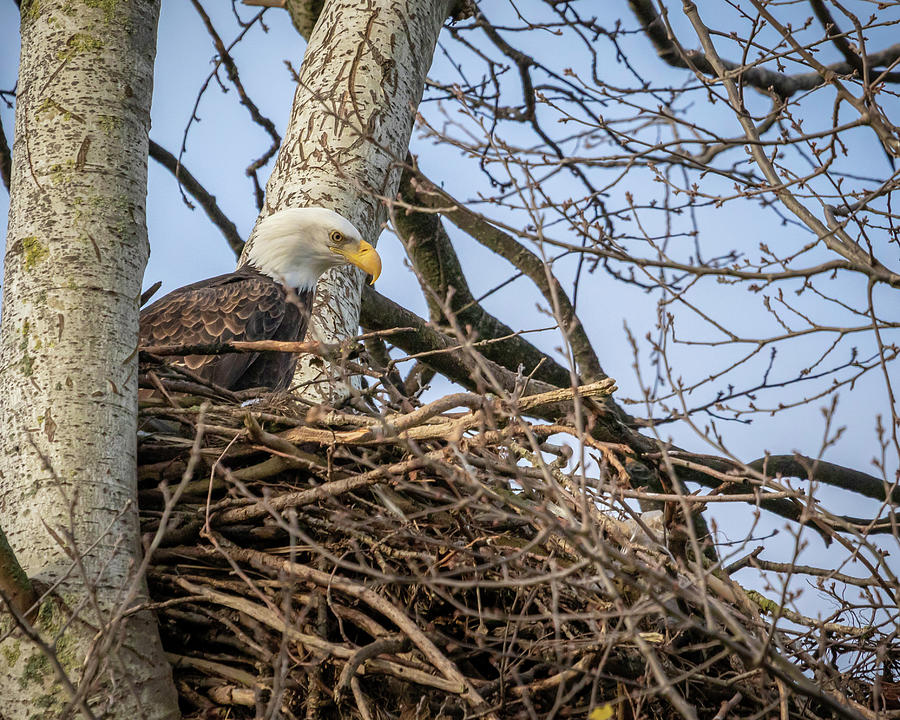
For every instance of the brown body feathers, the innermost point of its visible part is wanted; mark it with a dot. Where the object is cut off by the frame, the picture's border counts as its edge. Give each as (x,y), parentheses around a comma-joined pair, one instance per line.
(243,305)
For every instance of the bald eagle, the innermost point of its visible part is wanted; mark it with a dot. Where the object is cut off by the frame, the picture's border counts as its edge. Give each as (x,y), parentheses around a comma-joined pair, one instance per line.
(268,298)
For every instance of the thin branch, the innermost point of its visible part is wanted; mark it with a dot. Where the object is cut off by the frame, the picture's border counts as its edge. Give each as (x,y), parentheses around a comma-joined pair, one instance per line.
(836,36)
(783,84)
(834,238)
(265,123)
(430,196)
(439,271)
(201,195)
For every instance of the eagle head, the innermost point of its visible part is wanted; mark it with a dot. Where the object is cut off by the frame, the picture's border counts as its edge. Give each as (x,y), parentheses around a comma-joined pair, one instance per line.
(295,246)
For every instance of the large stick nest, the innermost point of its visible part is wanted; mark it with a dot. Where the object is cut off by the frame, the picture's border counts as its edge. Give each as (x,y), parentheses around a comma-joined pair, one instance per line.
(445,562)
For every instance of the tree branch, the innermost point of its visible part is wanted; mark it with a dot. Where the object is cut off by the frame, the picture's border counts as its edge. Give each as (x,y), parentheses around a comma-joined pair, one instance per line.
(611,424)
(200,194)
(807,468)
(785,85)
(835,35)
(834,238)
(729,477)
(430,196)
(265,123)
(476,373)
(439,271)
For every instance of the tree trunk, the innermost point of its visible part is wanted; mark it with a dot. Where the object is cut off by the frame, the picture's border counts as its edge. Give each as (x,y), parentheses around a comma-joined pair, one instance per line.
(361,81)
(76,251)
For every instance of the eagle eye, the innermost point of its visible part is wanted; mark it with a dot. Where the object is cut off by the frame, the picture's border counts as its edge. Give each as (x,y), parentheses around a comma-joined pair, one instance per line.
(336,237)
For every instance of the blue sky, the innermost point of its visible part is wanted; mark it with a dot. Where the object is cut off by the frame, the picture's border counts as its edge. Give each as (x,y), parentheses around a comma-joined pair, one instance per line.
(186,247)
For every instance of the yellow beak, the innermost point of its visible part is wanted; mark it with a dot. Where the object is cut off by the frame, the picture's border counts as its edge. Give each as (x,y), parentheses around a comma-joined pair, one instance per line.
(365,258)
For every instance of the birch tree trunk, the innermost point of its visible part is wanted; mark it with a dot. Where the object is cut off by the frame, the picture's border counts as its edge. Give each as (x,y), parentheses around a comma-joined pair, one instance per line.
(361,82)
(76,251)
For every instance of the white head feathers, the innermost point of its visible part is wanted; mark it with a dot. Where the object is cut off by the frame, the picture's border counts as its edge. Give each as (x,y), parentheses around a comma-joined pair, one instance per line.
(295,246)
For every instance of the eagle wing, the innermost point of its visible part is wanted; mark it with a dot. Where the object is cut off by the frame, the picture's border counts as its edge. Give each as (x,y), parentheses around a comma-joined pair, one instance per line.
(243,305)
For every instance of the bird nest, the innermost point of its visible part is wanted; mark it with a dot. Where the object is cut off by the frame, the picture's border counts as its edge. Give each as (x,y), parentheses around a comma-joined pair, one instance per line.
(444,561)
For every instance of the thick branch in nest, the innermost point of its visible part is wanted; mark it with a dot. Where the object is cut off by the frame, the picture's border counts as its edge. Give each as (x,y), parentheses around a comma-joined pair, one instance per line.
(472,372)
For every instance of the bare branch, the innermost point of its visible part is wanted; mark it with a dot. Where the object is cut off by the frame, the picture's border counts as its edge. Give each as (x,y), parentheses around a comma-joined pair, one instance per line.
(430,196)
(201,195)
(761,78)
(437,266)
(807,468)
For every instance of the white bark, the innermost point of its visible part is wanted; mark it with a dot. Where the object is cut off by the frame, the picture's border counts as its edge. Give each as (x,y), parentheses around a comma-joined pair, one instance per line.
(76,252)
(361,81)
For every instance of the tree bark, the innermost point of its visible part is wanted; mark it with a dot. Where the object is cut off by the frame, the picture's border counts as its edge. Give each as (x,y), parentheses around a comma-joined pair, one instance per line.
(361,81)
(76,251)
